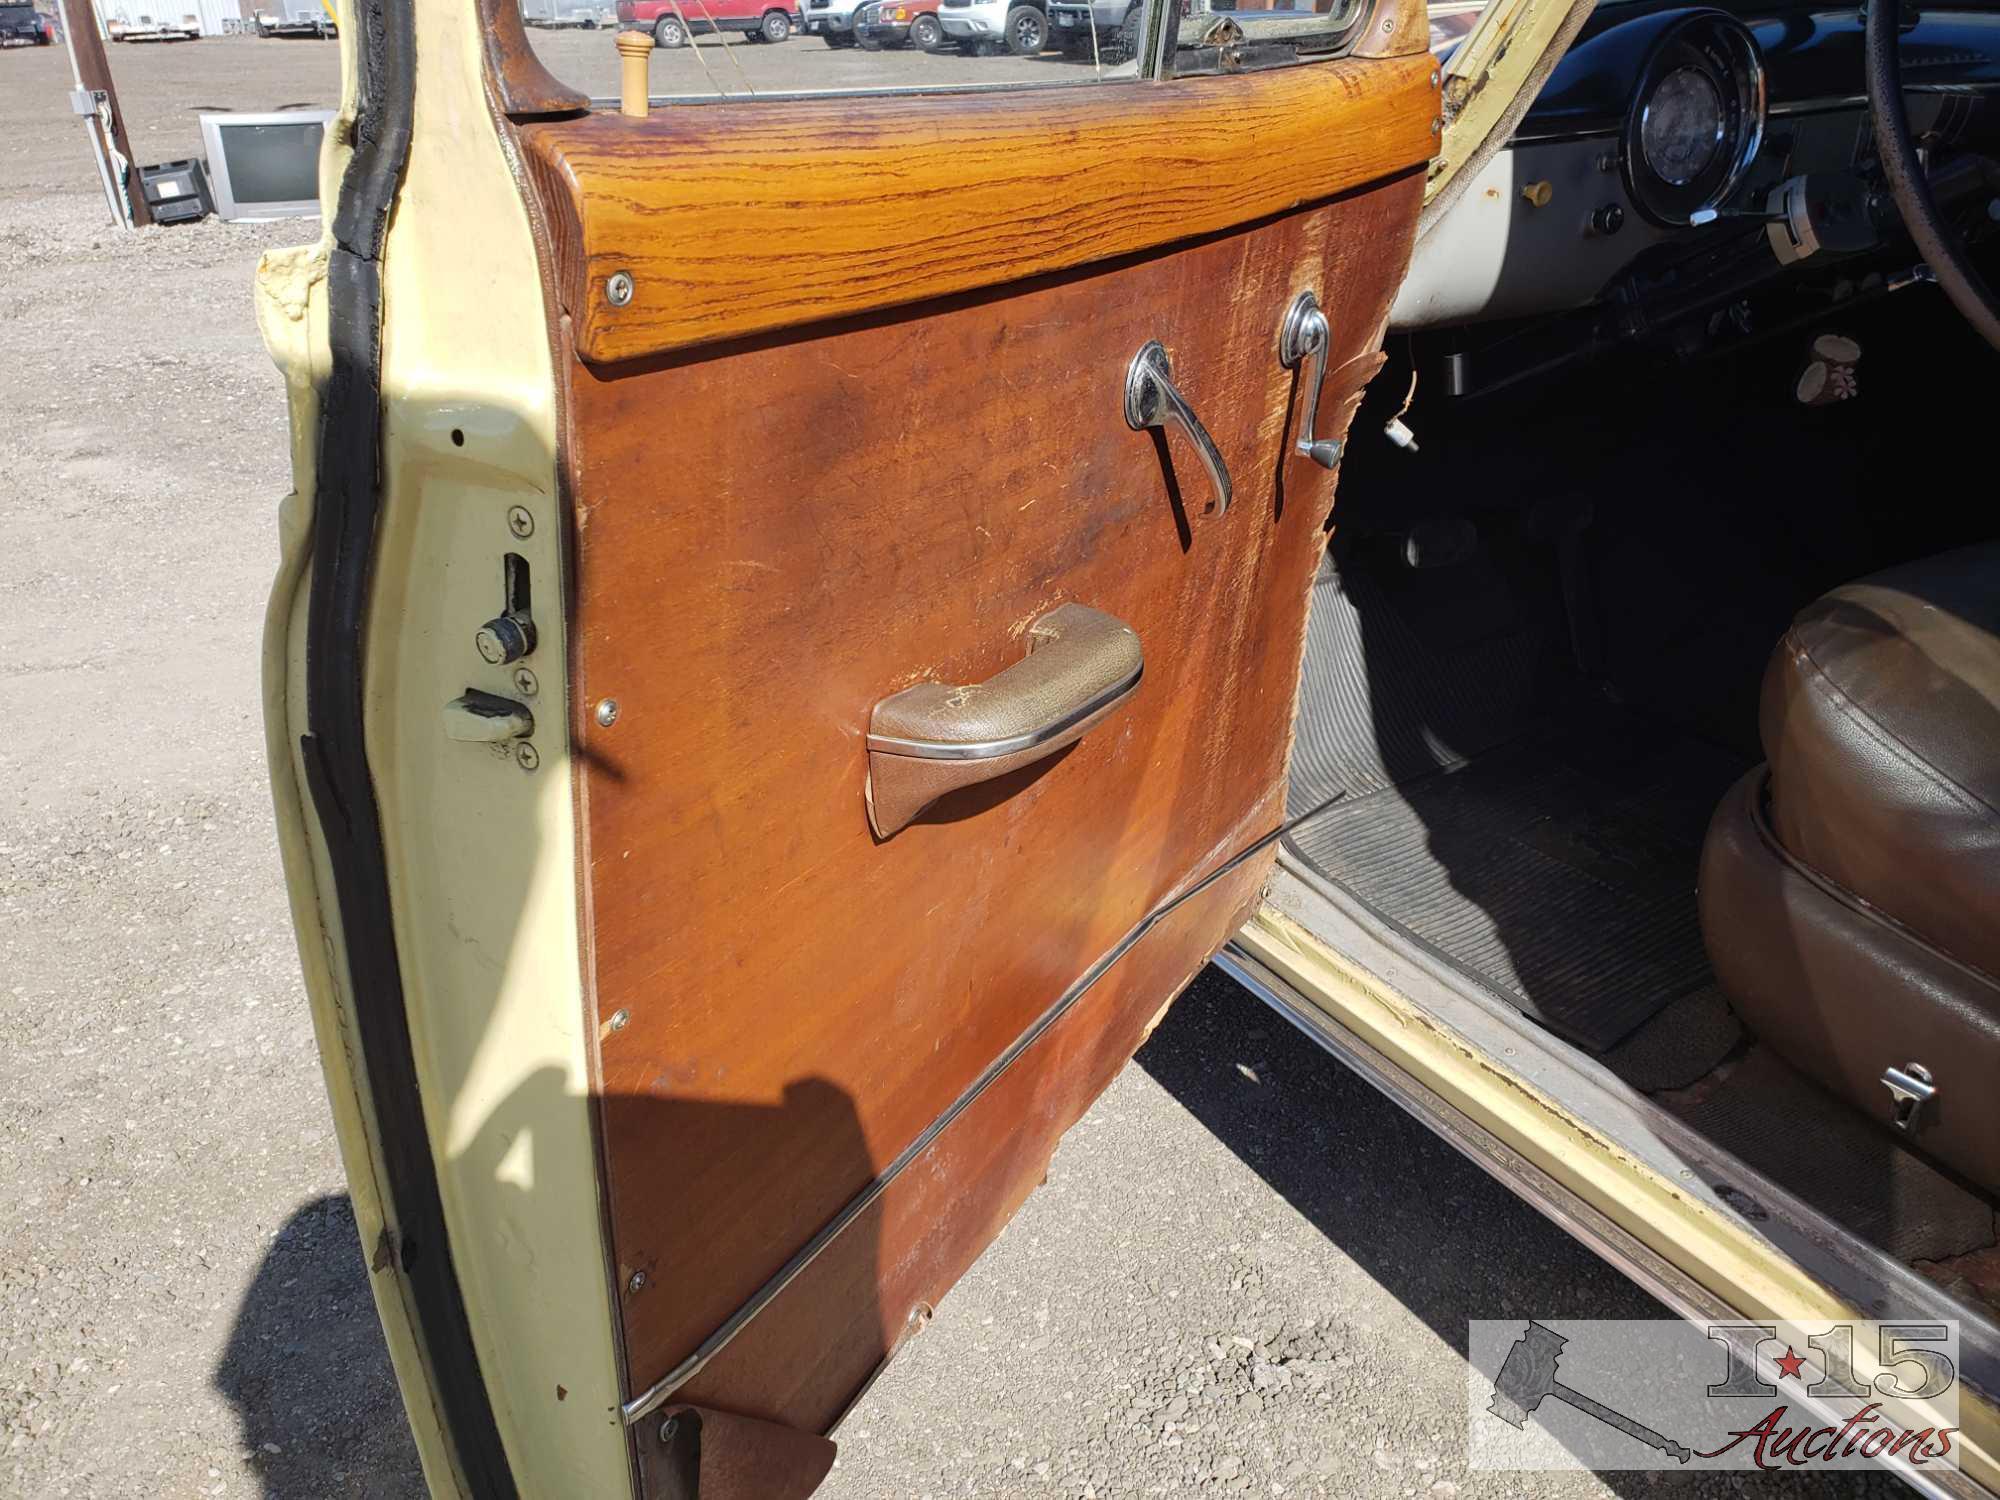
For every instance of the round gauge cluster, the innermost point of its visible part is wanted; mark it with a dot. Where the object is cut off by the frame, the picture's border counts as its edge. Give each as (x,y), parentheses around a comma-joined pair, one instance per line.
(1697,118)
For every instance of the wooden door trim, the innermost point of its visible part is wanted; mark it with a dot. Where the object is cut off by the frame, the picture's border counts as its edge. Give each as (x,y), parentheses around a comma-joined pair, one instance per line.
(736,219)
(1257,851)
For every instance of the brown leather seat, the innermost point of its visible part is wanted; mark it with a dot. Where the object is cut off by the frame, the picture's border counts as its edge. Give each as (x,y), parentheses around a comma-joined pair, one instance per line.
(1850,889)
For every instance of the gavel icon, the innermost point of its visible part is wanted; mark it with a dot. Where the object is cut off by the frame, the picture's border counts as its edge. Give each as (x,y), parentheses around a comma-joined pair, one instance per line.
(1528,1376)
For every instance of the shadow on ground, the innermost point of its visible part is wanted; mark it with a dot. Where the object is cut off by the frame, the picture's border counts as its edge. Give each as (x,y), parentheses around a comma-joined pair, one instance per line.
(308,1373)
(1449,1242)
(1428,1226)
(311,1383)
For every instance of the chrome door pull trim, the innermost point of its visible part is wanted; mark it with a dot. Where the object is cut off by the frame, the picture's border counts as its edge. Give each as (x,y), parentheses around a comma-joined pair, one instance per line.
(1306,332)
(1152,400)
(936,738)
(1042,734)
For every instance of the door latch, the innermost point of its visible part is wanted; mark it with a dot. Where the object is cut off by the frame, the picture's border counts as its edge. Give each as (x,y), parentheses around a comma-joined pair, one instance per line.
(1910,1089)
(486,718)
(1306,333)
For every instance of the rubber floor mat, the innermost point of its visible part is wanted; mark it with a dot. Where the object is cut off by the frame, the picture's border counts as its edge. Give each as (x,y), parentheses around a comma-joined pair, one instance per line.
(1842,1163)
(1681,1045)
(1559,869)
(1379,703)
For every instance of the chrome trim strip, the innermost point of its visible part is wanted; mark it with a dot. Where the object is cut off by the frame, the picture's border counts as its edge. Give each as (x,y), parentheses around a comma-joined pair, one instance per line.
(656,1395)
(1013,744)
(610,102)
(1818,106)
(1527,137)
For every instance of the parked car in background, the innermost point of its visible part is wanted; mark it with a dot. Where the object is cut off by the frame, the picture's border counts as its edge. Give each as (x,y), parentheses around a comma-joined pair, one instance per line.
(670,21)
(290,27)
(1117,23)
(898,23)
(832,20)
(568,15)
(24,26)
(1021,26)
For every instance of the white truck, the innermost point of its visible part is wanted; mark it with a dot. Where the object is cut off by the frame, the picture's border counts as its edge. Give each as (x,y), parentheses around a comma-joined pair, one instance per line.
(832,20)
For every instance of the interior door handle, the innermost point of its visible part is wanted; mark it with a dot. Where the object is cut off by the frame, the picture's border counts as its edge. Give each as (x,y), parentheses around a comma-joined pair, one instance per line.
(1152,400)
(1307,333)
(935,738)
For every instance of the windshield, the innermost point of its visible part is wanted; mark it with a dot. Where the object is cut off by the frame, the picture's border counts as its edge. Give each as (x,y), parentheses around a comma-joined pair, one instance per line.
(1451,21)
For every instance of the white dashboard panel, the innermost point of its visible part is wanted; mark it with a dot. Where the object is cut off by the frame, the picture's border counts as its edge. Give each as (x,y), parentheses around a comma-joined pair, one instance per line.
(1495,254)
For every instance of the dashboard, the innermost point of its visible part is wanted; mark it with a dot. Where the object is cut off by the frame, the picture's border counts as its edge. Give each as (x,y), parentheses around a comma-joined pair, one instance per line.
(1679,160)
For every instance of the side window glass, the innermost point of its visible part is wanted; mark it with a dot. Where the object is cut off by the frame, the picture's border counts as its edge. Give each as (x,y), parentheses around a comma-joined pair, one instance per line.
(1451,22)
(1265,32)
(709,49)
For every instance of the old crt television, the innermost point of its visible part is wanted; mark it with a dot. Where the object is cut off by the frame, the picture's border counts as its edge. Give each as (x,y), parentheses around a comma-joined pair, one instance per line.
(265,166)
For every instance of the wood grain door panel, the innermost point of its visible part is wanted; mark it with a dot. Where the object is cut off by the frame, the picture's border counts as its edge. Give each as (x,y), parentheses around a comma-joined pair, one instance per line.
(742,217)
(776,525)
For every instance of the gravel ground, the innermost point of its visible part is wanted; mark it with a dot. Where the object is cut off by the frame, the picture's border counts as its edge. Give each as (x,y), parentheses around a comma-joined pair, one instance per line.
(1245,1275)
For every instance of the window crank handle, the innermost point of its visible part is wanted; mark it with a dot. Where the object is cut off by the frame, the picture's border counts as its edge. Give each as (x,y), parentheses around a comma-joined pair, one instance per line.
(1151,400)
(1306,332)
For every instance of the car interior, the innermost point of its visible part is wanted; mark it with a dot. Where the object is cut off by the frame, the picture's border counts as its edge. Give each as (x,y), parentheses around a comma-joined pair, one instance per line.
(1652,683)
(1643,712)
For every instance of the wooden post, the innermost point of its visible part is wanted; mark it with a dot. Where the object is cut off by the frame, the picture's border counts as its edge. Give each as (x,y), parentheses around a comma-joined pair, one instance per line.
(635,55)
(93,71)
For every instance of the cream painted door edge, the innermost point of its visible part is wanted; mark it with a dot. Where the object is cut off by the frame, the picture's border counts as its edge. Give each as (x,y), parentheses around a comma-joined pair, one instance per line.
(1492,78)
(1624,1159)
(291,307)
(336,771)
(463,1104)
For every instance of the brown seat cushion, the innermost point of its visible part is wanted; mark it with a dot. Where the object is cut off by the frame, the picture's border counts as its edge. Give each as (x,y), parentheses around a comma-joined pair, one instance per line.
(1881,718)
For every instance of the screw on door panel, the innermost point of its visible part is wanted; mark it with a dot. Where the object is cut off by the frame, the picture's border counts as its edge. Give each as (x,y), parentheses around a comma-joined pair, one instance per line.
(620,1020)
(525,682)
(526,756)
(520,522)
(638,1282)
(618,290)
(607,712)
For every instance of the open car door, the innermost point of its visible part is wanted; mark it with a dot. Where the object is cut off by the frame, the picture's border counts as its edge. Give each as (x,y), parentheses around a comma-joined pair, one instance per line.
(783,666)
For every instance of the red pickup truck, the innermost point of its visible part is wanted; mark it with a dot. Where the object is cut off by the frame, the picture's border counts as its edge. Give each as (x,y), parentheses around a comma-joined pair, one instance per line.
(671,21)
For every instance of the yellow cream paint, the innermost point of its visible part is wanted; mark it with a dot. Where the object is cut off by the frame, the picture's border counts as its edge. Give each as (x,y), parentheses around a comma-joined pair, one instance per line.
(481,852)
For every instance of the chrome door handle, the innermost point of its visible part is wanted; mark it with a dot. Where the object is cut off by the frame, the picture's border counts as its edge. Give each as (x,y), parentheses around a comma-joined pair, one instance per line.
(1151,400)
(1306,332)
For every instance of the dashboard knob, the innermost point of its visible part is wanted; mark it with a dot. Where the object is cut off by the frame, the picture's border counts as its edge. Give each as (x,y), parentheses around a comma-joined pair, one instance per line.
(1608,219)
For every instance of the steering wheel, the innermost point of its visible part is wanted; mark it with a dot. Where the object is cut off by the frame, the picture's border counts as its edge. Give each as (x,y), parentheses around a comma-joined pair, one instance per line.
(1937,241)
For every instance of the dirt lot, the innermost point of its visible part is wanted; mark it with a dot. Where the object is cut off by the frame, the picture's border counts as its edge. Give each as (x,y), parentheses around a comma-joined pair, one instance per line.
(182,1301)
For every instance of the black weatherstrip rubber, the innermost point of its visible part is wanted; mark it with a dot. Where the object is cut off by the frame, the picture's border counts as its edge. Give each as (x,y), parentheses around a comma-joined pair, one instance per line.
(334,751)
